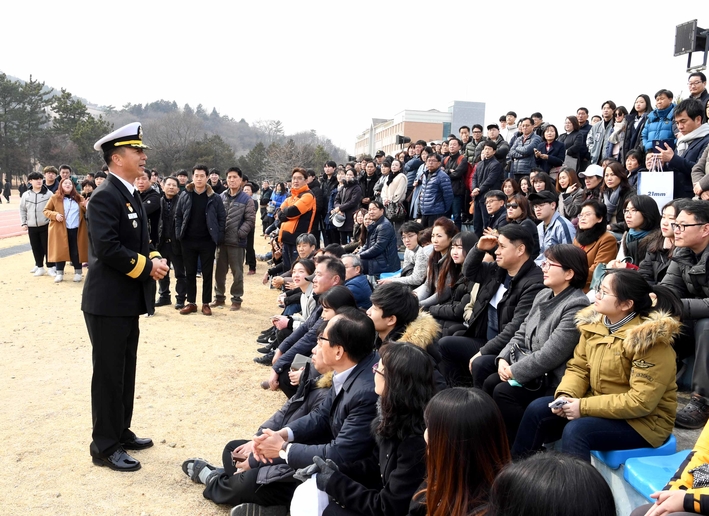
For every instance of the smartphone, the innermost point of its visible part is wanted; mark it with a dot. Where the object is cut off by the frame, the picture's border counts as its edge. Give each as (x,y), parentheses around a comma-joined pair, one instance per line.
(661,143)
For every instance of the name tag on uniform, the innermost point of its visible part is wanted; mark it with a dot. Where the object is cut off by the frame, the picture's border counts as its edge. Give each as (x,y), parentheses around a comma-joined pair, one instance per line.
(132,215)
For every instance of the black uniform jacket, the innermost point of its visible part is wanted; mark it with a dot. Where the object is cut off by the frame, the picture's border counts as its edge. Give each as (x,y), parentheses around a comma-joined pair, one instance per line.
(119,253)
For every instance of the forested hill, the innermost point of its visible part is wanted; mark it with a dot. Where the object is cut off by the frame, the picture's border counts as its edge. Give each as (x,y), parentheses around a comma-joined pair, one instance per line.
(40,126)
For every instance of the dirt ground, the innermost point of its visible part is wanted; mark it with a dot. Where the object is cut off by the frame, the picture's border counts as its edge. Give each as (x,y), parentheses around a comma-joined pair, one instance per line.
(197,388)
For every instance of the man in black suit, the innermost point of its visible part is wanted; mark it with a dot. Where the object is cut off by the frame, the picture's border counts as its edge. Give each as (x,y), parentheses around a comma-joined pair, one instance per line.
(337,429)
(116,292)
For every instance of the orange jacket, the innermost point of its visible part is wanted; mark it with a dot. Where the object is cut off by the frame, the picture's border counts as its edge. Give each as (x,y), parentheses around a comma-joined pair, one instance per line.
(297,215)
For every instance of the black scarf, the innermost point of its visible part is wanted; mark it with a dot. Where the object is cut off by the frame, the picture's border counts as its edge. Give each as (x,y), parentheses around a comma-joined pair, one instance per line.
(589,236)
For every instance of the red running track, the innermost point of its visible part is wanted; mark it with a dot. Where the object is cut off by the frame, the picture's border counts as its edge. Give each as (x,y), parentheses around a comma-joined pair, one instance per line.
(10,224)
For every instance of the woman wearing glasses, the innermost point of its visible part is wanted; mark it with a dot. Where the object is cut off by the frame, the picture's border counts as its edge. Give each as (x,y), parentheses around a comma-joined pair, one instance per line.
(660,249)
(403,379)
(619,390)
(532,363)
(518,212)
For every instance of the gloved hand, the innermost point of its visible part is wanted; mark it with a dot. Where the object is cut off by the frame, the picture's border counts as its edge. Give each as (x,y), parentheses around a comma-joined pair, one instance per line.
(327,469)
(304,474)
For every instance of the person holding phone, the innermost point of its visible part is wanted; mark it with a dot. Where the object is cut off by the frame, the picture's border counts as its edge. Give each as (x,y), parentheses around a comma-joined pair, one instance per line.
(620,383)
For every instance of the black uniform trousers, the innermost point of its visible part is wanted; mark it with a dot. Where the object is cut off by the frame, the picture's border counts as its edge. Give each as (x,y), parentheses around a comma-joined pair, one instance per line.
(232,489)
(115,347)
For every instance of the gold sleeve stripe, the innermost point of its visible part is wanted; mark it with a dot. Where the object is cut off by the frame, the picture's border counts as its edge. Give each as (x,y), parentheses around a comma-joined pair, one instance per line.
(139,267)
(155,254)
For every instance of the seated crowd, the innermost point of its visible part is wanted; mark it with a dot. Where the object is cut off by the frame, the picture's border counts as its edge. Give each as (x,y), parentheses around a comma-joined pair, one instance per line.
(448,311)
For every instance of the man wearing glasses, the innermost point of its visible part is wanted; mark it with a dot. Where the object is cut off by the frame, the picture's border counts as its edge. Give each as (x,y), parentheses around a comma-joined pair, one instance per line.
(339,429)
(687,276)
(488,176)
(697,83)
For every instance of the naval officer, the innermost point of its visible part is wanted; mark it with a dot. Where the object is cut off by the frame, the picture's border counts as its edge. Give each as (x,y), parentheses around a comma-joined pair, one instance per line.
(117,291)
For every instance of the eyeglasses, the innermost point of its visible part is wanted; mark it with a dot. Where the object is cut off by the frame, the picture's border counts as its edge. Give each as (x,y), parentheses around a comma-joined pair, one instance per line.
(694,83)
(512,205)
(375,369)
(682,227)
(547,264)
(600,294)
(630,211)
(320,337)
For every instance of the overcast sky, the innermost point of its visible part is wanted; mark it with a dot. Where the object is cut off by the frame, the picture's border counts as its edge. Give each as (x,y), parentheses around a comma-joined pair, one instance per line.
(333,66)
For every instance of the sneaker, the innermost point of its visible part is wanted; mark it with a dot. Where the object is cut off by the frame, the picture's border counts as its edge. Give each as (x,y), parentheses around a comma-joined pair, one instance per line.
(694,415)
(52,271)
(34,269)
(267,338)
(179,305)
(251,509)
(266,359)
(77,277)
(59,277)
(251,272)
(266,349)
(39,271)
(199,274)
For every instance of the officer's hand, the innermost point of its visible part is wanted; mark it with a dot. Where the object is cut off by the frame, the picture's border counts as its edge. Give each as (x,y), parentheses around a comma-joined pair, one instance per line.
(160,268)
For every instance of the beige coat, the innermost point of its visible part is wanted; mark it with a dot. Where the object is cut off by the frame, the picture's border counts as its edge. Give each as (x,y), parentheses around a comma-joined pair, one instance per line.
(58,241)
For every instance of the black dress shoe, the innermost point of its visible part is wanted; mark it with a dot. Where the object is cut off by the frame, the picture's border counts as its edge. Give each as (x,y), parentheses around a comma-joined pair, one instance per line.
(119,460)
(163,302)
(179,305)
(138,443)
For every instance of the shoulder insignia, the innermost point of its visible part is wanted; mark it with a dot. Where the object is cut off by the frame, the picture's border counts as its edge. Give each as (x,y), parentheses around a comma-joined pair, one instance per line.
(642,364)
(132,261)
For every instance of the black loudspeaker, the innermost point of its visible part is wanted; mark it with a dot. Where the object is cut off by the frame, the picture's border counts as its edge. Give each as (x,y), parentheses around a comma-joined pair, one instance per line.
(402,140)
(689,38)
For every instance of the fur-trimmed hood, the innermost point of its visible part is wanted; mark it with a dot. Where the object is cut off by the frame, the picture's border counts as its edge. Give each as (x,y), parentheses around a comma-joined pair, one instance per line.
(325,381)
(422,331)
(190,188)
(641,333)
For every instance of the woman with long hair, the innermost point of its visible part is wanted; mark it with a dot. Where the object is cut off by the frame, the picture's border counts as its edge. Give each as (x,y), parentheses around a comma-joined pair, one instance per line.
(359,231)
(642,219)
(68,237)
(574,140)
(510,187)
(403,380)
(437,289)
(550,152)
(637,118)
(394,192)
(603,401)
(525,186)
(519,212)
(347,201)
(593,237)
(418,184)
(467,448)
(614,147)
(614,193)
(568,187)
(450,314)
(532,363)
(543,181)
(659,250)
